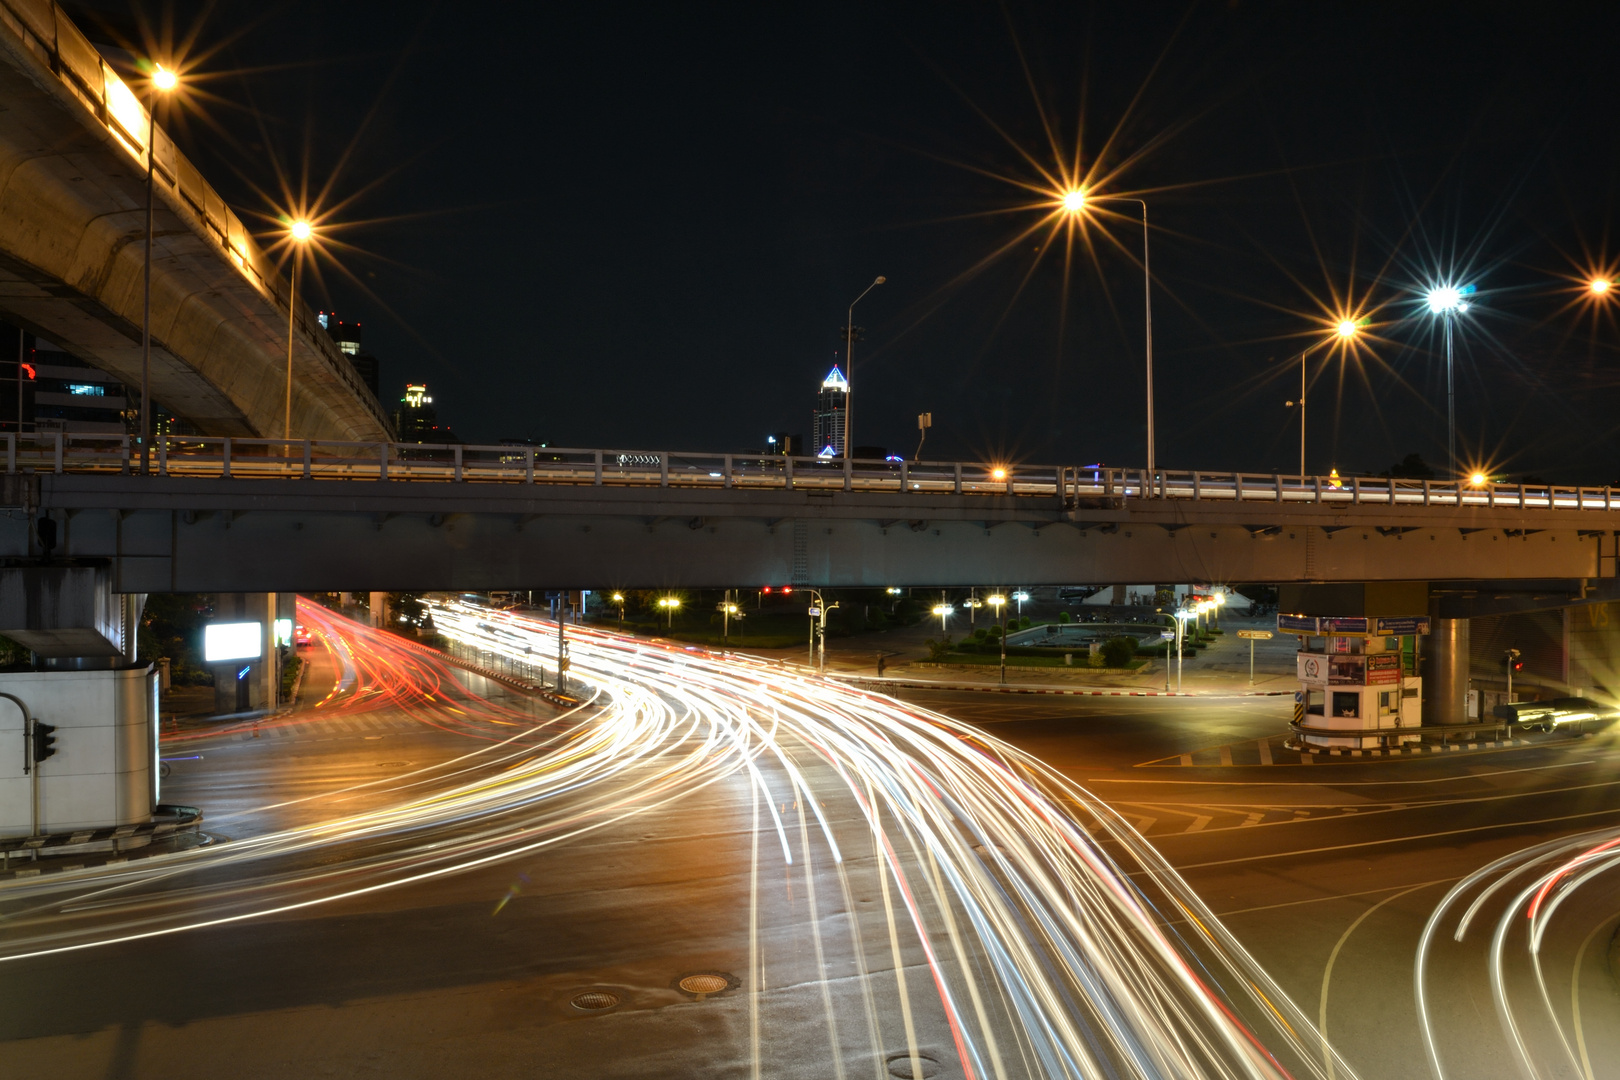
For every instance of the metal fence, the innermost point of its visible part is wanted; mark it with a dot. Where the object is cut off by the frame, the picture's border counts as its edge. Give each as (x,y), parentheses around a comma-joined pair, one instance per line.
(211,457)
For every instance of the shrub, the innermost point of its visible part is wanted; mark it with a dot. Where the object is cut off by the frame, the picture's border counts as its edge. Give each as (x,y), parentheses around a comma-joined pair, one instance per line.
(1023,622)
(979,634)
(1063,617)
(1118,651)
(992,634)
(938,650)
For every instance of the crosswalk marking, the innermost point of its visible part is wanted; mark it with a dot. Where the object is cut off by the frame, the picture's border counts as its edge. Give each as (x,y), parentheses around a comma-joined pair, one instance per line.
(1265,751)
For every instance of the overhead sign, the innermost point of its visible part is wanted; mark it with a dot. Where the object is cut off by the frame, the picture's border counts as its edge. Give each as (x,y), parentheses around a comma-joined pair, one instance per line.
(1297,624)
(1353,625)
(233,641)
(1410,624)
(1255,635)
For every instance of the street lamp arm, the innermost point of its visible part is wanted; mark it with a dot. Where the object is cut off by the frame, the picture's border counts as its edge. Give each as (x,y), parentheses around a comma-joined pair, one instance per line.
(849,365)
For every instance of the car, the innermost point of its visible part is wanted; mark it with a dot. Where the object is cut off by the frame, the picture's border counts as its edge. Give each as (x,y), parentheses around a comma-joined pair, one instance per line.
(301,635)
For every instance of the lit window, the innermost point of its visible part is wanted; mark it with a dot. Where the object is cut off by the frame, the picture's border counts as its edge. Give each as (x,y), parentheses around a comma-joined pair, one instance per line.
(87,389)
(349,347)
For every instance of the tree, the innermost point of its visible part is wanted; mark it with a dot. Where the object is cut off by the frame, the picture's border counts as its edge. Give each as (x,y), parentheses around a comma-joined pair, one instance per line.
(1411,467)
(939,650)
(1117,652)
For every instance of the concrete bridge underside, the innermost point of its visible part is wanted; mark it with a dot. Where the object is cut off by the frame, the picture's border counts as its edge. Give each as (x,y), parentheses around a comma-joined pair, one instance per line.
(170,534)
(72,228)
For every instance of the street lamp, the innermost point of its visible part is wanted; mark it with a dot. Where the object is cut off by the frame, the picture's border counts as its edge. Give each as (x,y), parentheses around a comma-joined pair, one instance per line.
(618,598)
(944,611)
(1182,615)
(1346,331)
(299,231)
(1020,596)
(1599,286)
(849,365)
(1447,302)
(727,610)
(1077,201)
(669,604)
(998,601)
(162,81)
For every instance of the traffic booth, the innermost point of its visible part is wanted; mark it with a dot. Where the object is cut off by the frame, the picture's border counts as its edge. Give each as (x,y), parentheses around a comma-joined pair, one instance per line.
(1358,676)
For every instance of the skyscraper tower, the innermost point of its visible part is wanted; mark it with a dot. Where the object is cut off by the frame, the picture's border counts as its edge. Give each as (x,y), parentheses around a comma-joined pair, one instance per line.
(827,422)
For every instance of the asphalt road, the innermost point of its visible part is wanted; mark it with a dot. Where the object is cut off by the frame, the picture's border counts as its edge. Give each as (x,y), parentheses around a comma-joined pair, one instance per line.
(1326,872)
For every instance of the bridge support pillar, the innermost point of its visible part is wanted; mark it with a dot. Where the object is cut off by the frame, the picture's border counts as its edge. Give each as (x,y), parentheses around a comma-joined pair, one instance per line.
(1445,672)
(97,706)
(250,685)
(379,609)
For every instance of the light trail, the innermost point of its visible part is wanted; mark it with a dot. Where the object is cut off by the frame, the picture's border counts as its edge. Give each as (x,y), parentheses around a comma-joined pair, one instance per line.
(1052,940)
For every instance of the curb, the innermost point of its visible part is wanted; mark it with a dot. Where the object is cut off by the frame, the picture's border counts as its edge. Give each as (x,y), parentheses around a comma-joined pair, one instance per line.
(1408,751)
(120,840)
(898,684)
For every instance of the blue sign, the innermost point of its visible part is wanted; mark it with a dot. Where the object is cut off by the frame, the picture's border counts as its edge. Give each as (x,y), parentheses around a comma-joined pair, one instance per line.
(1401,627)
(1297,624)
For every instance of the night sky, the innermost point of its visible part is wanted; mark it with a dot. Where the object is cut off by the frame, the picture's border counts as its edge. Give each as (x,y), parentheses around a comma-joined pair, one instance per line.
(611,225)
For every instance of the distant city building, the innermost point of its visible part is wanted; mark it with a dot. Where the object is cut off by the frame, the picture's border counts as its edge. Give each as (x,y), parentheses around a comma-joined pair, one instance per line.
(59,392)
(784,444)
(827,422)
(417,421)
(349,342)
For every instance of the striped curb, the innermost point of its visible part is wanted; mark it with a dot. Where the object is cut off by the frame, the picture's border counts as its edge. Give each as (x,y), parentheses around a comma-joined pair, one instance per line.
(1408,751)
(873,684)
(119,839)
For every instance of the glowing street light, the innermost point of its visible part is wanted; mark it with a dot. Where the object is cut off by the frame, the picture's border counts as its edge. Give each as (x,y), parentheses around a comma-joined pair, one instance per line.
(849,365)
(162,81)
(618,598)
(1021,597)
(1599,286)
(998,601)
(300,231)
(669,604)
(1446,302)
(1346,330)
(944,611)
(1478,479)
(1077,201)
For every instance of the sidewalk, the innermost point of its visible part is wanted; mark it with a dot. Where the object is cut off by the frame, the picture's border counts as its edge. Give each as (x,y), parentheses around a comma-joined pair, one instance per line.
(1222,669)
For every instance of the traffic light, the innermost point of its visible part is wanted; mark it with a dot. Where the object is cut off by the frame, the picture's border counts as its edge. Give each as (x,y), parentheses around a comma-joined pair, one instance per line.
(44,741)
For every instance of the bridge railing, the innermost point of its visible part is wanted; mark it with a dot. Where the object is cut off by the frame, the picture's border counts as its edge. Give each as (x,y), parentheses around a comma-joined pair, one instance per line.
(216,457)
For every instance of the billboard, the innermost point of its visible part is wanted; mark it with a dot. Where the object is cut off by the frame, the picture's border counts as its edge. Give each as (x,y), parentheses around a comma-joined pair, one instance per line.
(233,641)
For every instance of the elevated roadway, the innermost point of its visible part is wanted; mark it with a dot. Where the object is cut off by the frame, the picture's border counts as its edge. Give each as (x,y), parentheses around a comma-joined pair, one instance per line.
(247,515)
(73,159)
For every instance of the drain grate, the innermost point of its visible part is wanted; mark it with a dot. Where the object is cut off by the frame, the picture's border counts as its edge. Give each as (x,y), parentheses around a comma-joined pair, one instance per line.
(702,984)
(595,1000)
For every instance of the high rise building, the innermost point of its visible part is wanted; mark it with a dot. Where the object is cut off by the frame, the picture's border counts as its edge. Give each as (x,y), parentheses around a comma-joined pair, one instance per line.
(827,422)
(349,342)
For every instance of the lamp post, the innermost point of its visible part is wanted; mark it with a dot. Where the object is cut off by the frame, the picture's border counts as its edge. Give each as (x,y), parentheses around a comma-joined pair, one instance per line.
(849,365)
(1447,302)
(999,602)
(944,611)
(163,80)
(1020,596)
(1077,201)
(618,598)
(1345,331)
(727,610)
(300,231)
(669,604)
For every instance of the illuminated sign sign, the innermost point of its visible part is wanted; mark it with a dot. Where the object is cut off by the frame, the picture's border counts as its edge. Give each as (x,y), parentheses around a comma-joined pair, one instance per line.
(284,630)
(232,641)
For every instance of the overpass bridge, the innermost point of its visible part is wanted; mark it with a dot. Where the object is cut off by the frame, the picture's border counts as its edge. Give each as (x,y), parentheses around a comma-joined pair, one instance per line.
(240,515)
(73,160)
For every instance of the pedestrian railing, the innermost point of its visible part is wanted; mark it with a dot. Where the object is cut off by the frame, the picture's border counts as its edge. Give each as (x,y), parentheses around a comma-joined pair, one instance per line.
(214,457)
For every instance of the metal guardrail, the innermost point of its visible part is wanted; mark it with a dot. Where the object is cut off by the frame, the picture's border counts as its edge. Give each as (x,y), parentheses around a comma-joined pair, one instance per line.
(46,31)
(215,457)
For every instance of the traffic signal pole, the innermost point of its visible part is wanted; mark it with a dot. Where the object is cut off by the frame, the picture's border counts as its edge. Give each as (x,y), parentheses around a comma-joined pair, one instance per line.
(30,764)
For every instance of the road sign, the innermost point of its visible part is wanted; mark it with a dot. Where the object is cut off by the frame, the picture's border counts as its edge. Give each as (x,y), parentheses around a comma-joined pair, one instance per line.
(815,612)
(1256,635)
(1168,635)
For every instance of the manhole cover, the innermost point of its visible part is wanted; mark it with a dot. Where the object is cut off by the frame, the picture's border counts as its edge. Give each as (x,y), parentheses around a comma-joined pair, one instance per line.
(900,1065)
(595,1000)
(704,984)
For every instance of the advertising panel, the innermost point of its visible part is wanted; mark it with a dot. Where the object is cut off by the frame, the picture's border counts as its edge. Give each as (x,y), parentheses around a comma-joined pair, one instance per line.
(232,641)
(1345,624)
(1313,668)
(1401,627)
(1383,668)
(1297,624)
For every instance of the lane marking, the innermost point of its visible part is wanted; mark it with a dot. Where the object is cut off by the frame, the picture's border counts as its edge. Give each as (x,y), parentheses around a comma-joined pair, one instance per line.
(1327,972)
(1352,783)
(1199,821)
(1265,751)
(1393,840)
